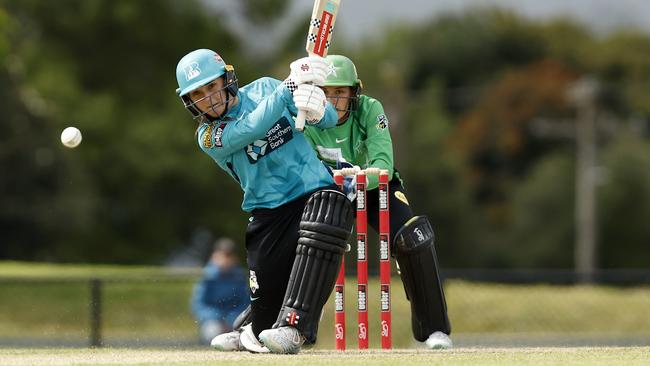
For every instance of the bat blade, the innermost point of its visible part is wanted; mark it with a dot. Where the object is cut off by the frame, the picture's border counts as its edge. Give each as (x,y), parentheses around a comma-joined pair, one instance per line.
(321,26)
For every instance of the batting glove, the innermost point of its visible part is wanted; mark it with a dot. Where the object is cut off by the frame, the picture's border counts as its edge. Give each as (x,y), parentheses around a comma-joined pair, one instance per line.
(312,69)
(312,100)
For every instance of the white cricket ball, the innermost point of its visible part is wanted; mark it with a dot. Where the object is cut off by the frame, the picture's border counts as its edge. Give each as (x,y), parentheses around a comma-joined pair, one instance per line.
(71,137)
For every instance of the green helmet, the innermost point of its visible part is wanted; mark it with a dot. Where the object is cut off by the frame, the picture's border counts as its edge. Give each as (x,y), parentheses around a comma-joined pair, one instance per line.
(344,73)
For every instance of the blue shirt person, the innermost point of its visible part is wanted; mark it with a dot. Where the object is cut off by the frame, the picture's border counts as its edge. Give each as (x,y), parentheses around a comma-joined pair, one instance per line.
(222,292)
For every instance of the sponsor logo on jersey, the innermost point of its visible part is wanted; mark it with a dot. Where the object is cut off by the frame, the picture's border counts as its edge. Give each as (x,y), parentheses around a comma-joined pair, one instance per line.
(338,140)
(206,137)
(218,134)
(276,136)
(382,122)
(331,154)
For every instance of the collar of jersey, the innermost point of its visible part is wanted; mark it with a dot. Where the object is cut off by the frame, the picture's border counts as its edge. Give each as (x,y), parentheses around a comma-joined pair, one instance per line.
(347,122)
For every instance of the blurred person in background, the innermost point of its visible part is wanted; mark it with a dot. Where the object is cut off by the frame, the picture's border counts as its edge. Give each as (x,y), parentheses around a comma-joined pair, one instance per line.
(222,292)
(361,139)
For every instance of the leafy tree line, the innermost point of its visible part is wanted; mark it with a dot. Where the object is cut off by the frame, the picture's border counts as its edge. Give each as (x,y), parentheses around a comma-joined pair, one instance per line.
(461,91)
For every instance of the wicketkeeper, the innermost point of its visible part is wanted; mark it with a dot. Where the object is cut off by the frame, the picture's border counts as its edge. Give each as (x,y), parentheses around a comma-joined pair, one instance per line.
(362,138)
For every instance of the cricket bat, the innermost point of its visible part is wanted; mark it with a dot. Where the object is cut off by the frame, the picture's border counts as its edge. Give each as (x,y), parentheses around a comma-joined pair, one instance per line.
(319,37)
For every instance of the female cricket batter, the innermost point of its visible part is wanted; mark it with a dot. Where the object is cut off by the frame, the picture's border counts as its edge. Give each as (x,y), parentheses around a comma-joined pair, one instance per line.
(299,222)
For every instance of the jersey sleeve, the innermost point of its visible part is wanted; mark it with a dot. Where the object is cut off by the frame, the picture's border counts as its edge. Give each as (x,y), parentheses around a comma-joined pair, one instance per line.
(378,142)
(228,137)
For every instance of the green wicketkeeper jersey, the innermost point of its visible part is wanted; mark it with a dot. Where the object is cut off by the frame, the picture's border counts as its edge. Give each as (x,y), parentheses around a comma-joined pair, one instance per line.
(363,140)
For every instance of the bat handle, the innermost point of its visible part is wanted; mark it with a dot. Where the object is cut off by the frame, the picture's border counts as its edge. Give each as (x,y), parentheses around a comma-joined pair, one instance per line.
(300,120)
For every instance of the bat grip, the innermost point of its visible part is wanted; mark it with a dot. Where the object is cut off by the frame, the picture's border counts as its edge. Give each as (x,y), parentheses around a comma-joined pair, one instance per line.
(300,120)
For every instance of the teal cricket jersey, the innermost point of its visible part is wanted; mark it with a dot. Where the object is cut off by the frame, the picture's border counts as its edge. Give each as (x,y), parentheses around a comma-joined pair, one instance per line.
(257,144)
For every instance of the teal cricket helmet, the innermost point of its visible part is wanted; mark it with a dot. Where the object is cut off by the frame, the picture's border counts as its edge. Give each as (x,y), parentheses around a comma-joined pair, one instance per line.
(199,68)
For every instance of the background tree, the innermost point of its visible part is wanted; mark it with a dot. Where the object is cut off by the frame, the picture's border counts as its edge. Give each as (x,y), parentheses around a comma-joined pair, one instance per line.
(461,90)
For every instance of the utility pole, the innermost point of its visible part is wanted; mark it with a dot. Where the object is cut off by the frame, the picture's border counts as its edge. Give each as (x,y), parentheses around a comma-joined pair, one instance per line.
(584,94)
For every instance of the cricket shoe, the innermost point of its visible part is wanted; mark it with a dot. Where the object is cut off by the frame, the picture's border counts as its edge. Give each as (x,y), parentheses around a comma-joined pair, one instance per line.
(228,342)
(282,340)
(250,342)
(438,340)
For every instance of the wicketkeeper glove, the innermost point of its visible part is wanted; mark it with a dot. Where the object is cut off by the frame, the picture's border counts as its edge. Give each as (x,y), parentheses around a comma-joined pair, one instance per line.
(350,187)
(349,181)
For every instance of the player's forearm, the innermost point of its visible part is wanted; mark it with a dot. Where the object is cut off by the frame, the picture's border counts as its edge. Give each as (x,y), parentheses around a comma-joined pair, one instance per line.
(254,126)
(380,155)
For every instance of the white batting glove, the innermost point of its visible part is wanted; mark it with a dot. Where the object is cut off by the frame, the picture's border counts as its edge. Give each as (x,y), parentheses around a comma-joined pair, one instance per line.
(312,69)
(312,100)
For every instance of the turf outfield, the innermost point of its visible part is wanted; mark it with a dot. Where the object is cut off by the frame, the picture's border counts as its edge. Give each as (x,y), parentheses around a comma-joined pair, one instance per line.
(463,356)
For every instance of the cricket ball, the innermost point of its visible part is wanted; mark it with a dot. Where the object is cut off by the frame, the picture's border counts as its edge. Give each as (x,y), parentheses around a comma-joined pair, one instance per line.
(71,137)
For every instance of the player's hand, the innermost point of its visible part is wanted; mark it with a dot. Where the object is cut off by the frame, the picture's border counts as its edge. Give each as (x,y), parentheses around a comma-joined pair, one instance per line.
(312,100)
(312,69)
(346,168)
(350,180)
